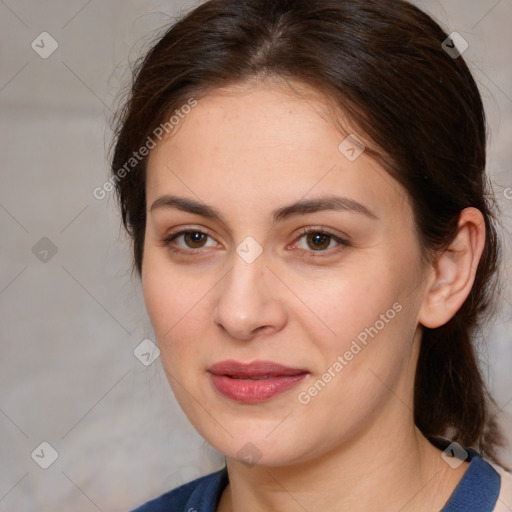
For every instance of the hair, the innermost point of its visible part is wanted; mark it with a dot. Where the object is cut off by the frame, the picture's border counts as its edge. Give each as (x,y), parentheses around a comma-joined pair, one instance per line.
(382,64)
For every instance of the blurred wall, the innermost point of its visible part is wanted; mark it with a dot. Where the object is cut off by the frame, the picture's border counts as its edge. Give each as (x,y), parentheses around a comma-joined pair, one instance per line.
(70,314)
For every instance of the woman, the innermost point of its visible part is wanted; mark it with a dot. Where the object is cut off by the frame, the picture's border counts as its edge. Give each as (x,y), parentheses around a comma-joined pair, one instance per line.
(304,183)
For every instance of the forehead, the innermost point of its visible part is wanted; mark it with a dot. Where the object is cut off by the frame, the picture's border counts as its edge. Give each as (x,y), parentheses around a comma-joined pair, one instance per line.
(277,117)
(263,140)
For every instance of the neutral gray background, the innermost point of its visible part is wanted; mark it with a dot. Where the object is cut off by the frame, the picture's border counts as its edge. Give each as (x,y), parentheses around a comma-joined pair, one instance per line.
(69,325)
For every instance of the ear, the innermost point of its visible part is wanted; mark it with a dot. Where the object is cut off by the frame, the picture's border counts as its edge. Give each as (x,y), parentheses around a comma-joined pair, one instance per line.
(453,272)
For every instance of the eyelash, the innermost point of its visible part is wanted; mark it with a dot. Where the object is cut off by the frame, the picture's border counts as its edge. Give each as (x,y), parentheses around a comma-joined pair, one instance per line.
(342,243)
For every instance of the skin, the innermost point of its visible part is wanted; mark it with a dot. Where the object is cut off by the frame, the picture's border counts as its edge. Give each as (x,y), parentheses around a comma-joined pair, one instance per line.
(245,151)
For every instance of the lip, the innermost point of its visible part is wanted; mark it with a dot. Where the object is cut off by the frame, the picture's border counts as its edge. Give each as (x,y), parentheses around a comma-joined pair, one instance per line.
(255,369)
(237,381)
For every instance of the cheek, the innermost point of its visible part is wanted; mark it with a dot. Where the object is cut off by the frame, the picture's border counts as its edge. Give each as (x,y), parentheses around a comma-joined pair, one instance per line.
(159,288)
(342,305)
(177,304)
(362,324)
(176,312)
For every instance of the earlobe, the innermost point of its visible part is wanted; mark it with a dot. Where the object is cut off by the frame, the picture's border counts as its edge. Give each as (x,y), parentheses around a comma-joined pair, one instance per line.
(454,270)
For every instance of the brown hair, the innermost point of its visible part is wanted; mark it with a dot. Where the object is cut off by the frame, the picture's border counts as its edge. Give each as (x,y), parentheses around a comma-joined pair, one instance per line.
(383,64)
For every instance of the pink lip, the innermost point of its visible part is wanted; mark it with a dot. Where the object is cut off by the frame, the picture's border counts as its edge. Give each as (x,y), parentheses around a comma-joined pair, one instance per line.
(233,379)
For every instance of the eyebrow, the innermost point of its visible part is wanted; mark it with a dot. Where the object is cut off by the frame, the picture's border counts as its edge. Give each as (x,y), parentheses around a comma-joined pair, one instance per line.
(302,207)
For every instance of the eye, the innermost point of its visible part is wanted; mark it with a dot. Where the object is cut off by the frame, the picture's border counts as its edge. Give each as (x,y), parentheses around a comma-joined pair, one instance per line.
(321,242)
(318,240)
(193,239)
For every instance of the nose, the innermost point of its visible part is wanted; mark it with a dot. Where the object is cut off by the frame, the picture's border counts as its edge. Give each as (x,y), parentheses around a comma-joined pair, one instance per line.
(250,300)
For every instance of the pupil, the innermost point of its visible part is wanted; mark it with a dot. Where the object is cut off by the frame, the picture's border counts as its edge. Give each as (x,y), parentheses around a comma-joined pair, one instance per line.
(195,237)
(318,238)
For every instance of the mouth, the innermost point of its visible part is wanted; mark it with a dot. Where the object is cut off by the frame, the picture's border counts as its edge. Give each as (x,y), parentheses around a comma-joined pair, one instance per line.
(254,382)
(256,370)
(252,378)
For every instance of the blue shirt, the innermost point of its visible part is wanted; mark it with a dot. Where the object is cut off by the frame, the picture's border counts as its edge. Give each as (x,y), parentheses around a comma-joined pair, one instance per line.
(477,491)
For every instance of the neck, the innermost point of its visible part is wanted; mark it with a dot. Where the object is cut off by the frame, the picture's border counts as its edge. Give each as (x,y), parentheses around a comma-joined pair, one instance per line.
(379,470)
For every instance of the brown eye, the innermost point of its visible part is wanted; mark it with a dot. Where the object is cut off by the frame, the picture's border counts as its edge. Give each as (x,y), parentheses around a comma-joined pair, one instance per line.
(191,241)
(318,240)
(194,239)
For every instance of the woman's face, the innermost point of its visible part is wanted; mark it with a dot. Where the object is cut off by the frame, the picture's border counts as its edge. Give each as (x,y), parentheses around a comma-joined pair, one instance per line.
(248,285)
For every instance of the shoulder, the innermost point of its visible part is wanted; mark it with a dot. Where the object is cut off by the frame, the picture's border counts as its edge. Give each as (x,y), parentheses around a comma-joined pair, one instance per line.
(504,502)
(199,494)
